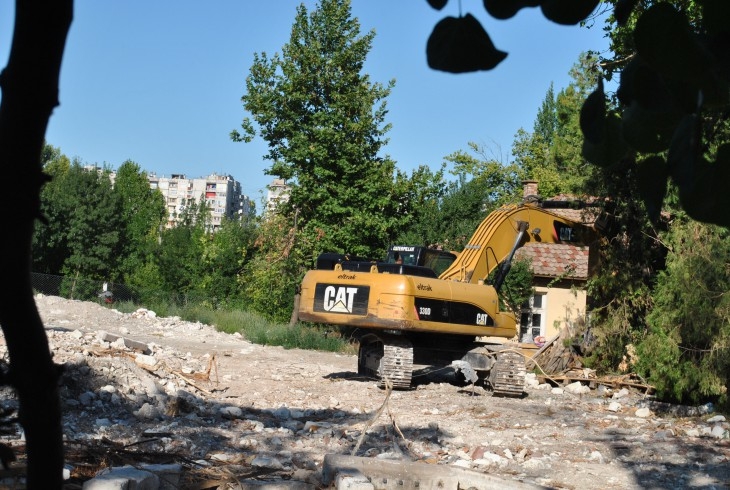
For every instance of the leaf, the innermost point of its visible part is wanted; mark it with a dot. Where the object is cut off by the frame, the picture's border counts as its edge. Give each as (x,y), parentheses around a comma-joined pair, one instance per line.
(684,152)
(603,143)
(648,131)
(707,199)
(611,148)
(702,184)
(664,39)
(437,4)
(643,84)
(625,91)
(622,10)
(568,12)
(505,9)
(593,115)
(652,177)
(460,45)
(716,16)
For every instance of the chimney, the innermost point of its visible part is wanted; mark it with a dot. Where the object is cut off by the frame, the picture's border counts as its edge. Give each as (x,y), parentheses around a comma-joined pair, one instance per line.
(529,188)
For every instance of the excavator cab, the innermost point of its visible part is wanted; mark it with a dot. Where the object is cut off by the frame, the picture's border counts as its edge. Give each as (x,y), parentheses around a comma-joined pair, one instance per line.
(431,258)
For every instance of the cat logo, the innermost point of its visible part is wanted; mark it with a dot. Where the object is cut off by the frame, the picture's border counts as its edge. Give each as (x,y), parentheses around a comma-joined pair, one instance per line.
(337,298)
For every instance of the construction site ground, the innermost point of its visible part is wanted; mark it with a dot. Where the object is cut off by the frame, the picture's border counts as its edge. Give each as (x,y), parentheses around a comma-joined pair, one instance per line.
(140,389)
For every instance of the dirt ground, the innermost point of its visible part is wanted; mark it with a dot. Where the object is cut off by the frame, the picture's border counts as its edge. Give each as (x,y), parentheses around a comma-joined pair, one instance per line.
(228,410)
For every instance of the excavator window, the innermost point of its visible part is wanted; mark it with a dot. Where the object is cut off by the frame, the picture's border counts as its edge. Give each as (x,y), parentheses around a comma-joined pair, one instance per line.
(438,260)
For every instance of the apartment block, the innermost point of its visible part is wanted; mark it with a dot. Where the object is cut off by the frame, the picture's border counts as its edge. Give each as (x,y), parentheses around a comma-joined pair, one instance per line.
(221,193)
(277,192)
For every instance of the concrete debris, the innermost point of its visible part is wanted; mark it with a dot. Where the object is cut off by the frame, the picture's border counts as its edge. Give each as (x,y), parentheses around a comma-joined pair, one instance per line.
(466,370)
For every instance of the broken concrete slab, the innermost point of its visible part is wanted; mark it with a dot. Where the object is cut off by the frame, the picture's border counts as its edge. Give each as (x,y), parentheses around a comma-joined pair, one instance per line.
(386,474)
(128,343)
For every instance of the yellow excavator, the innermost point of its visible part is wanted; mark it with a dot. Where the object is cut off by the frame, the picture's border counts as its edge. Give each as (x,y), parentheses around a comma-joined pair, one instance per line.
(434,307)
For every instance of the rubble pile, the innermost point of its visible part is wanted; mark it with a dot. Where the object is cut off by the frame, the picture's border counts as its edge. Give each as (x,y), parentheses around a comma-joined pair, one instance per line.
(196,408)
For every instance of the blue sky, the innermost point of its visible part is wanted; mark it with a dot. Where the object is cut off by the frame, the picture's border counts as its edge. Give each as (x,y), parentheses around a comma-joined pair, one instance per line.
(160,82)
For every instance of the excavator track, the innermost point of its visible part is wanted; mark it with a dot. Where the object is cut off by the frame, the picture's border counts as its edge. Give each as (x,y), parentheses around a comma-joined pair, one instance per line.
(508,374)
(387,358)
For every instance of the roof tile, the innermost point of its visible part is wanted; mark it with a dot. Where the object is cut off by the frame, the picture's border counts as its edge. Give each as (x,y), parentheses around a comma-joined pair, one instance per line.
(556,259)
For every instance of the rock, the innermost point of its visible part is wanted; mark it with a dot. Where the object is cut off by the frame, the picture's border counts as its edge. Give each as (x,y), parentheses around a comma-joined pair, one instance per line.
(147,411)
(622,393)
(87,398)
(489,459)
(462,463)
(664,435)
(224,457)
(577,388)
(145,360)
(281,413)
(715,419)
(614,407)
(642,412)
(123,478)
(693,432)
(718,431)
(267,462)
(534,464)
(596,456)
(231,412)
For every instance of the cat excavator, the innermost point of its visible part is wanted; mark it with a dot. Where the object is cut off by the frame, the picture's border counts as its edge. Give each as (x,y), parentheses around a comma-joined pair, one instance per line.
(412,315)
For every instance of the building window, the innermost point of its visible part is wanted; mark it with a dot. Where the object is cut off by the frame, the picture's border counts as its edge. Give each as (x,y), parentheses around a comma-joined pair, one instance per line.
(532,319)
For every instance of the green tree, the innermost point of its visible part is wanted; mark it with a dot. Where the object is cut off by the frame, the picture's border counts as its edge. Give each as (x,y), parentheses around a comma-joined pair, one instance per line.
(81,237)
(323,121)
(551,154)
(49,237)
(143,214)
(420,196)
(225,253)
(93,231)
(481,185)
(178,257)
(270,278)
(546,122)
(686,354)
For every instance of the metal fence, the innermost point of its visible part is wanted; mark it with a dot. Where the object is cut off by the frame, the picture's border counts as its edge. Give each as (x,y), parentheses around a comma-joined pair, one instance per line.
(107,292)
(81,288)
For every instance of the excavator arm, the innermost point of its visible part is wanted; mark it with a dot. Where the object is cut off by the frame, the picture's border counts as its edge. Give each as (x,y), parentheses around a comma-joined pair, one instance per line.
(503,231)
(506,264)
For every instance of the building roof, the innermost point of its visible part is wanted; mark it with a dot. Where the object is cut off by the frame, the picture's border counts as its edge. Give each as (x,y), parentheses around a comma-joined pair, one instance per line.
(588,214)
(556,259)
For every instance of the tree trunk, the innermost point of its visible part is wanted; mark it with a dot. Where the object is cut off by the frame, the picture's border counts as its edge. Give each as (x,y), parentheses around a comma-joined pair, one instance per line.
(29,86)
(295,312)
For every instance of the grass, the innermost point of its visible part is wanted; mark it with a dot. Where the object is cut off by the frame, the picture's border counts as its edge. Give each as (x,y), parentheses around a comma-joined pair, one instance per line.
(254,327)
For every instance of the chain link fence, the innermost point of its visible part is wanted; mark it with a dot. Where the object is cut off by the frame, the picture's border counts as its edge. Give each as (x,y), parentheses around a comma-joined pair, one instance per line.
(81,288)
(85,289)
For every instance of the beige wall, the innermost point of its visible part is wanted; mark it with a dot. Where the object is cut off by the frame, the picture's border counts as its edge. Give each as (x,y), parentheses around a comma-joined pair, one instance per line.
(562,306)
